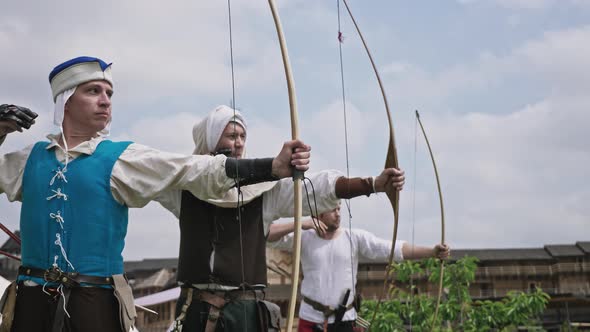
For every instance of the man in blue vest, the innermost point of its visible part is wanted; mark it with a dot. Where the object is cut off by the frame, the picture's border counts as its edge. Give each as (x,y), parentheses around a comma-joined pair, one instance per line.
(75,191)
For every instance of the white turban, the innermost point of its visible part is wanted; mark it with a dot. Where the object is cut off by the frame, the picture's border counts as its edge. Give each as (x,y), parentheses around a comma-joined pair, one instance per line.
(76,71)
(65,78)
(207,133)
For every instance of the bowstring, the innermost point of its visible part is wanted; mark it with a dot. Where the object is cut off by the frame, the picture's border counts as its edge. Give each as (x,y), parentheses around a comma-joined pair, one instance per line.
(313,212)
(314,217)
(237,182)
(343,91)
(413,235)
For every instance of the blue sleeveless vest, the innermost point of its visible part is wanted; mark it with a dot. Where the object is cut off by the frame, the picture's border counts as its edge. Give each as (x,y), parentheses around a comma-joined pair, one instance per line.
(72,221)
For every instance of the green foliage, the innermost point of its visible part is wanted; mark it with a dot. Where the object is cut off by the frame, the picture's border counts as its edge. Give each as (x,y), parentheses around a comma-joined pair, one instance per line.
(457,312)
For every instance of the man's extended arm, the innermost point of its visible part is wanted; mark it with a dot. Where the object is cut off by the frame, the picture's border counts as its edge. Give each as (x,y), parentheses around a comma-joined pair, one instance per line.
(12,167)
(329,187)
(143,173)
(421,252)
(373,247)
(278,230)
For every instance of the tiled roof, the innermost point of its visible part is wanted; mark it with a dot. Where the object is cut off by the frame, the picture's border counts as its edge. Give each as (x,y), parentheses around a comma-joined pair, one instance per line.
(151,264)
(10,245)
(548,252)
(159,279)
(564,250)
(503,254)
(585,246)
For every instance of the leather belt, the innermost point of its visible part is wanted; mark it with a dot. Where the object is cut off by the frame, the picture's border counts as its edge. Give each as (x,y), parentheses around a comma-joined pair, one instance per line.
(324,309)
(231,295)
(68,279)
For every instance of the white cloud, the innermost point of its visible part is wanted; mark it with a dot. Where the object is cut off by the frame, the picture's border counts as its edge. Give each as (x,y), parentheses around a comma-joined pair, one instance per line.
(327,129)
(175,49)
(554,59)
(156,132)
(395,67)
(512,174)
(530,4)
(526,4)
(154,226)
(559,57)
(517,170)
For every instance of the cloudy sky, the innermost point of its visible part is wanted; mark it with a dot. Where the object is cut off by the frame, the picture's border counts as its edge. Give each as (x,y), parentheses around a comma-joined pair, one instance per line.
(502,87)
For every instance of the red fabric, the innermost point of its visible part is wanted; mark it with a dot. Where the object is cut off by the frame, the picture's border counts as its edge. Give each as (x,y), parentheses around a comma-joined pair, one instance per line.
(305,325)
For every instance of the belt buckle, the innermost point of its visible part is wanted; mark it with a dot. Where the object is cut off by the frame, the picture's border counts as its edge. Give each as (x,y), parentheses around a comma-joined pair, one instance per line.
(53,274)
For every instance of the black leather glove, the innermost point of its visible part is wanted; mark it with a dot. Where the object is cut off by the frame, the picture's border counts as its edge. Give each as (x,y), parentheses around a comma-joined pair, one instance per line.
(23,116)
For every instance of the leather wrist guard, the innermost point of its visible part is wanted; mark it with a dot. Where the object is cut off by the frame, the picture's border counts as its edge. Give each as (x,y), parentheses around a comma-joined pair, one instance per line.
(250,171)
(353,187)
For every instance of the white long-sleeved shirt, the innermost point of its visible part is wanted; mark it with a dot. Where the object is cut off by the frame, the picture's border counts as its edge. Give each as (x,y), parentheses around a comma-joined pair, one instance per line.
(327,268)
(278,202)
(140,174)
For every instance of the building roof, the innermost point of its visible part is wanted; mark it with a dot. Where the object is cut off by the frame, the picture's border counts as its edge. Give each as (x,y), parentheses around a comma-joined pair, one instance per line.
(503,254)
(564,250)
(490,255)
(151,264)
(584,246)
(547,252)
(161,279)
(10,245)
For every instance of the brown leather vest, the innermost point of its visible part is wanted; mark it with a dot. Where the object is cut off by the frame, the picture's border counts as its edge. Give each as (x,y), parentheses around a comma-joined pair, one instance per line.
(206,229)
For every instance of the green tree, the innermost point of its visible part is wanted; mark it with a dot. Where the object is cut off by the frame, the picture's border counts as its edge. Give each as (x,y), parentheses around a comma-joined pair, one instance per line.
(458,312)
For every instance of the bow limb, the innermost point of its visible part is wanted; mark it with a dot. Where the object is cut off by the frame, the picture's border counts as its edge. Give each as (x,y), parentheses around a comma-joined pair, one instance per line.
(14,237)
(9,255)
(442,222)
(391,161)
(10,233)
(296,179)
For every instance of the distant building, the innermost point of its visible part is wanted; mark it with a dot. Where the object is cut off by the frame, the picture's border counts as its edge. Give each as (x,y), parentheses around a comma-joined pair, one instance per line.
(562,271)
(9,266)
(152,281)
